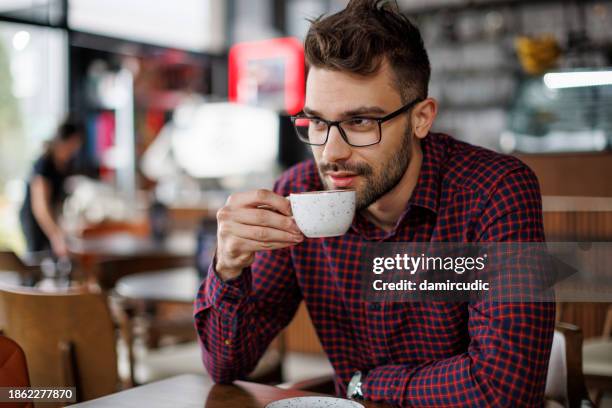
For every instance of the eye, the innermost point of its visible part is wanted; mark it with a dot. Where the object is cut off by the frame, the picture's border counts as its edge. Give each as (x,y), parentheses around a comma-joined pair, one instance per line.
(360,123)
(318,123)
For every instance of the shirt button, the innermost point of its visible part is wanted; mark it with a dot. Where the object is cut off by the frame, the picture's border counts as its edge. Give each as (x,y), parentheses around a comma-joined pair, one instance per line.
(227,342)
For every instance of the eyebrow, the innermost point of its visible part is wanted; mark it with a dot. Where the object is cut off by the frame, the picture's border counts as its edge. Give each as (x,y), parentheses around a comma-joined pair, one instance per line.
(362,110)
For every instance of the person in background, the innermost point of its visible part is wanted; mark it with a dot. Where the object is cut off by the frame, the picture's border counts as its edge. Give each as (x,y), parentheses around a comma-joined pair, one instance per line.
(45,190)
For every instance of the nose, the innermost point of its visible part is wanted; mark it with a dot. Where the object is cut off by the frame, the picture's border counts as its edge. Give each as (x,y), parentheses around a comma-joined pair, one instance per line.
(336,149)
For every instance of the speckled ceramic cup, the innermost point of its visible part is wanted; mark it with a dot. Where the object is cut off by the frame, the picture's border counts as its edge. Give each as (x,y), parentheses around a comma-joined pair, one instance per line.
(314,402)
(321,214)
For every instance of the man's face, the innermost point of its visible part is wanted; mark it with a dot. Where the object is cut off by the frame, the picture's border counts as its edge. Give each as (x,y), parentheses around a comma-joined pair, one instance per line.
(372,170)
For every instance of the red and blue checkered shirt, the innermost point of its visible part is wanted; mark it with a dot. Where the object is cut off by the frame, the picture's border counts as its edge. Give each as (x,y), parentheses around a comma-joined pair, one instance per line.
(428,354)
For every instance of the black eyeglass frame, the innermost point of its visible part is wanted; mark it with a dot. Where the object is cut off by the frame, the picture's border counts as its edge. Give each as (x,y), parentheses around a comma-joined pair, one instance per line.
(337,123)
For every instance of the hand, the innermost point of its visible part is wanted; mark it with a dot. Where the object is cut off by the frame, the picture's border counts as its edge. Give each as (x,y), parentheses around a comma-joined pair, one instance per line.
(58,245)
(244,228)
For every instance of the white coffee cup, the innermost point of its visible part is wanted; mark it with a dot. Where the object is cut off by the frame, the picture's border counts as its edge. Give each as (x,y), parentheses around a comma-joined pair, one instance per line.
(321,214)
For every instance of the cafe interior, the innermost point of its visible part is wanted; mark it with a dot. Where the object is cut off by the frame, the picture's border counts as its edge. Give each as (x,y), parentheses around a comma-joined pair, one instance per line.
(185,102)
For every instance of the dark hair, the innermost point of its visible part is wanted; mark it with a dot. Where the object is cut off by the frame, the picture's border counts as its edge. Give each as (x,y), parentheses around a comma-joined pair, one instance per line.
(359,38)
(68,129)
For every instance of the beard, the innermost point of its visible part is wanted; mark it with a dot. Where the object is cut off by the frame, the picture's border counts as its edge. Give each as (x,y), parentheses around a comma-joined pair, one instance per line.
(376,184)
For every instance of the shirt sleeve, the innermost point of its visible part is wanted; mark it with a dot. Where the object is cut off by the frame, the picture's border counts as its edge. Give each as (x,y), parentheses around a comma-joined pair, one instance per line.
(44,167)
(506,362)
(237,319)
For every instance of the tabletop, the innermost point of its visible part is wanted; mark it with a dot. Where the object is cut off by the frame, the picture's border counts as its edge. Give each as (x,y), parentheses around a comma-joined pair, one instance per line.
(199,391)
(122,245)
(175,285)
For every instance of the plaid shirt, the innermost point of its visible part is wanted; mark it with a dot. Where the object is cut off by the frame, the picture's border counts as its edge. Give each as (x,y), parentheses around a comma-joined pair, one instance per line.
(433,354)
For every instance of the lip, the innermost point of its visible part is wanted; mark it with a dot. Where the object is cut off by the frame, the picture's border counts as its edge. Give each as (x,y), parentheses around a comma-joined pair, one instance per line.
(342,179)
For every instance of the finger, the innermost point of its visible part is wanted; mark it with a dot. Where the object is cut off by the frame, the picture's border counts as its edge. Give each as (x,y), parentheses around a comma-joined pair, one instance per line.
(265,218)
(249,245)
(261,197)
(263,234)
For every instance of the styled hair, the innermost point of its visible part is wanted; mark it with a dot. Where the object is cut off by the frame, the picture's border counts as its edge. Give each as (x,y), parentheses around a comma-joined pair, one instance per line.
(363,35)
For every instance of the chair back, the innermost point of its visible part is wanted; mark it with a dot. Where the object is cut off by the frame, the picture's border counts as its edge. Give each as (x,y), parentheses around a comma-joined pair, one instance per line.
(109,271)
(565,380)
(13,369)
(9,261)
(68,338)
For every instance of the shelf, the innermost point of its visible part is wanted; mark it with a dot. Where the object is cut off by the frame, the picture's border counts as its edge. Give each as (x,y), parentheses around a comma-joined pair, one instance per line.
(433,7)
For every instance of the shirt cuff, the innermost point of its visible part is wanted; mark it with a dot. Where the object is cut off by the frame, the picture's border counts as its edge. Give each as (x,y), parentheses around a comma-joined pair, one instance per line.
(386,383)
(224,296)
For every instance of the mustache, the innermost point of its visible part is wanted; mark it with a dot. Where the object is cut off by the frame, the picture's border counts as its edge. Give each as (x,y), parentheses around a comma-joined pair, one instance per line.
(357,168)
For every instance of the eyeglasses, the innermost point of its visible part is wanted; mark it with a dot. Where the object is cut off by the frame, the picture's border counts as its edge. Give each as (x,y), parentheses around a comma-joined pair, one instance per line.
(356,131)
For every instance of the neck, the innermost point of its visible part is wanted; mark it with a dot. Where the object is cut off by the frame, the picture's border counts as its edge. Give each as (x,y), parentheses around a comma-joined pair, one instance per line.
(386,211)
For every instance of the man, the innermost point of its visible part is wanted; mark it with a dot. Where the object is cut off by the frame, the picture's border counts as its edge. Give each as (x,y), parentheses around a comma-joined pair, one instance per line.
(368,119)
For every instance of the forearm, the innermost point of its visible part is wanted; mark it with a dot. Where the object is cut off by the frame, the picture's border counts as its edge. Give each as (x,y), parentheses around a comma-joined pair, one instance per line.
(504,366)
(218,325)
(46,221)
(235,326)
(452,382)
(41,208)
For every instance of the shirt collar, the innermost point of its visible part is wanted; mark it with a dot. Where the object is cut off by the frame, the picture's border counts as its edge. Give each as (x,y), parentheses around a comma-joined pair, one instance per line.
(427,189)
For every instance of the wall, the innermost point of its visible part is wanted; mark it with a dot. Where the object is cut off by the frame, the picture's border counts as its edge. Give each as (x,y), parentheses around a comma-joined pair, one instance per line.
(475,71)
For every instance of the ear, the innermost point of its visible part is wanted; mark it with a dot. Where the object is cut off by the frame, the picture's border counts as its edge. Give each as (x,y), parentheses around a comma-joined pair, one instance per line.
(423,115)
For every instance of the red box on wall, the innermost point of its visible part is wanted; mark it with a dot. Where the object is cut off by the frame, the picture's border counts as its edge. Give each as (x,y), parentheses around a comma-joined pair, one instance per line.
(268,73)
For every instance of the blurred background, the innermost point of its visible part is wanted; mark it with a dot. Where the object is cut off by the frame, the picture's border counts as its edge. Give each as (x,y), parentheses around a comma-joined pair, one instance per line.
(185,102)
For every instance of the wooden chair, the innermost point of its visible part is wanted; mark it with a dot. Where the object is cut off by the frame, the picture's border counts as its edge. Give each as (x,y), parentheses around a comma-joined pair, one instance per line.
(126,310)
(68,338)
(9,261)
(597,365)
(161,304)
(13,369)
(565,385)
(109,271)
